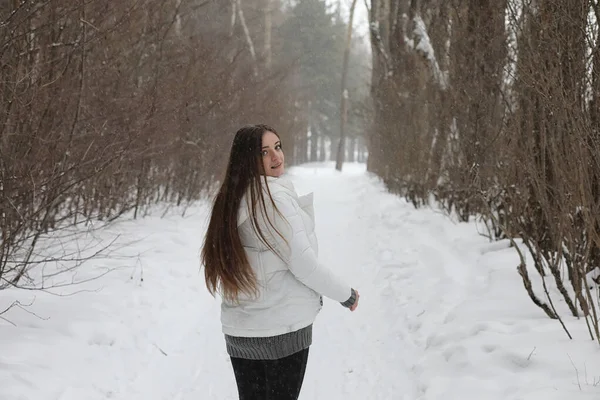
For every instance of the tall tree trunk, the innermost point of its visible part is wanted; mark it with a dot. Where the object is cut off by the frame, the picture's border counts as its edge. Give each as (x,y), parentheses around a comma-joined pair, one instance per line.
(322,149)
(314,143)
(344,97)
(268,29)
(478,60)
(352,150)
(249,40)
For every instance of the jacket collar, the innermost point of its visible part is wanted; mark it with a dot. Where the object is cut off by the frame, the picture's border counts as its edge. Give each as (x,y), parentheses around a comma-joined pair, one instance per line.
(281,183)
(276,185)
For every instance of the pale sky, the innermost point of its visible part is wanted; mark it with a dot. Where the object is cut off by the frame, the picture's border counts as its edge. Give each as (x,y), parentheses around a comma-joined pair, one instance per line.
(361,16)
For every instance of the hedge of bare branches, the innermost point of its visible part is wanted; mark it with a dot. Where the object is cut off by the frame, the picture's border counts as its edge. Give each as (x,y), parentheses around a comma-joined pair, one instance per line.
(108,107)
(492,107)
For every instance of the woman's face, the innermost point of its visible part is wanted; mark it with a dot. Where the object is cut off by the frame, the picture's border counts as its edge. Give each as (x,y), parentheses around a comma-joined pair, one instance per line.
(272,154)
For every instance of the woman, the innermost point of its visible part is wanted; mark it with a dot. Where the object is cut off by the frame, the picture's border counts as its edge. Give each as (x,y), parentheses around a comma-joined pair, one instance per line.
(260,255)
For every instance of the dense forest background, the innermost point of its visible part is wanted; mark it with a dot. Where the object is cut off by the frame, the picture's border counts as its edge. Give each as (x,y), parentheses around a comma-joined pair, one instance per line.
(487,108)
(110,107)
(490,109)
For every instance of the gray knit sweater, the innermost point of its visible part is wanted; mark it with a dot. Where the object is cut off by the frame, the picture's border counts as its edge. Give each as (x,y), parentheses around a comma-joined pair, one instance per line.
(274,347)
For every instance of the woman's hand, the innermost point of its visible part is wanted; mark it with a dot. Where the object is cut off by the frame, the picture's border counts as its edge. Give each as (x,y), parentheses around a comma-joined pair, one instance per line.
(355,302)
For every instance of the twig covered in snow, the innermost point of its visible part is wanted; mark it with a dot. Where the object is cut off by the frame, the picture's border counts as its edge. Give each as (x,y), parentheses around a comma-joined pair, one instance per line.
(22,306)
(576,371)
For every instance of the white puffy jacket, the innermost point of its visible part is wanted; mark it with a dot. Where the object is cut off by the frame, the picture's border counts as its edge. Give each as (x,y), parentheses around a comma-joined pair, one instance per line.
(289,291)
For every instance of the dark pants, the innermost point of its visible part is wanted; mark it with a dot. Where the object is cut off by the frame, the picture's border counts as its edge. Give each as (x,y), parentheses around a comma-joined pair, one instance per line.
(270,379)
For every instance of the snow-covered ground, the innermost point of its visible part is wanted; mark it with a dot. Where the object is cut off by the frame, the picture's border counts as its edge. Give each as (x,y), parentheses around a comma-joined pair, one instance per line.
(442,315)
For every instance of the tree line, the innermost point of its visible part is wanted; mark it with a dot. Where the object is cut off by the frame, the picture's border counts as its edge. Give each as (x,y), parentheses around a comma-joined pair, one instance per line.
(110,107)
(491,108)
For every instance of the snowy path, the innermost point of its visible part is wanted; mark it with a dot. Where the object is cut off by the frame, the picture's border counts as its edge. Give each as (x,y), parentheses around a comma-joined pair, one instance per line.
(442,315)
(404,266)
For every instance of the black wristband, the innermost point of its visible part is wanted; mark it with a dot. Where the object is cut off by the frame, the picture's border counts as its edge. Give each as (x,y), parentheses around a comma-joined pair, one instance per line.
(350,302)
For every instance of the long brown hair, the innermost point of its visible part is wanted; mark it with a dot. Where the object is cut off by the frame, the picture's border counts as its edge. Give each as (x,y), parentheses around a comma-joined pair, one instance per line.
(226,267)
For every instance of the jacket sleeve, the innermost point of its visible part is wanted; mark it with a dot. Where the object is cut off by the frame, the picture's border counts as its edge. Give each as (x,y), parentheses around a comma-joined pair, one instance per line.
(299,254)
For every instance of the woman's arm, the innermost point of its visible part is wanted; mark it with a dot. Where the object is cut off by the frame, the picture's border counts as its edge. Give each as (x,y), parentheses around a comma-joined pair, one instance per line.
(300,256)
